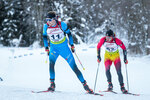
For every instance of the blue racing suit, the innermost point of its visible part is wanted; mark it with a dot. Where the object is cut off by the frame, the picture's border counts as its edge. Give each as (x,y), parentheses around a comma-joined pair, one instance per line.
(59,46)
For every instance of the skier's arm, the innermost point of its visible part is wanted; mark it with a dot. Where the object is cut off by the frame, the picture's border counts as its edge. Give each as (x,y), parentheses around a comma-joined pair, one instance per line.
(125,56)
(45,38)
(45,35)
(101,42)
(121,44)
(67,31)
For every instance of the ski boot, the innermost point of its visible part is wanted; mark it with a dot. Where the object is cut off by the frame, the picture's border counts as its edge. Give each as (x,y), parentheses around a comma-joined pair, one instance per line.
(86,87)
(110,86)
(52,87)
(124,91)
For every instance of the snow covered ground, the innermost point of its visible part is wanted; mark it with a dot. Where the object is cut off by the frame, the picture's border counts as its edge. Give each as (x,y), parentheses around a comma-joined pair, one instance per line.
(24,70)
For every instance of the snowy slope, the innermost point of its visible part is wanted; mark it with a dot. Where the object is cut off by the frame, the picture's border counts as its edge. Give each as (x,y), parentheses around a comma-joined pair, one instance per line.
(24,70)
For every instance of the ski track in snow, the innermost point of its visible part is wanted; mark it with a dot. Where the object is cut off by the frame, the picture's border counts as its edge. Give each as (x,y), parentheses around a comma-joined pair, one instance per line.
(24,70)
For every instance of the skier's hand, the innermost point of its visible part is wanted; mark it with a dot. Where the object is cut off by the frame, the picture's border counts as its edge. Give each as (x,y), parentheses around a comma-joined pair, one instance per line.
(47,50)
(125,61)
(72,48)
(98,58)
(125,56)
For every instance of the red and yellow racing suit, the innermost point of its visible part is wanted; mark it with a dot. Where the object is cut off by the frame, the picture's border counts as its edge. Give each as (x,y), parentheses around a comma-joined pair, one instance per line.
(112,55)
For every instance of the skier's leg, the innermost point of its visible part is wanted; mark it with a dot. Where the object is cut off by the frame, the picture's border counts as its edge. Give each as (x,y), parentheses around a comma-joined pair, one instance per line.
(53,55)
(108,62)
(108,74)
(67,55)
(117,64)
(107,68)
(52,58)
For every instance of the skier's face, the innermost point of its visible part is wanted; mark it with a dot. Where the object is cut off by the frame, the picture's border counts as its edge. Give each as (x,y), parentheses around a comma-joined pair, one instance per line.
(51,22)
(109,38)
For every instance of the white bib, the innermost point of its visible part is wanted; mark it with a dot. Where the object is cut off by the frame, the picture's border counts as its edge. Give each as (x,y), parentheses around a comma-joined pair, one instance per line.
(55,34)
(111,47)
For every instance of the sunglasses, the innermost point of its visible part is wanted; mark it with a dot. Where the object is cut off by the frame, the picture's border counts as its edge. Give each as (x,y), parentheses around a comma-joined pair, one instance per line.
(48,19)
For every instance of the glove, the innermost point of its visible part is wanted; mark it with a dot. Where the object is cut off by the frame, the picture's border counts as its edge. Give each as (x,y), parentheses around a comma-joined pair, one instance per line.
(98,58)
(125,56)
(125,61)
(72,48)
(47,50)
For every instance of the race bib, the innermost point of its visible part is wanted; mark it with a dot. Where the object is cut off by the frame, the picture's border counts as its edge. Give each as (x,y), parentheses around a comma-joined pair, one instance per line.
(111,47)
(55,34)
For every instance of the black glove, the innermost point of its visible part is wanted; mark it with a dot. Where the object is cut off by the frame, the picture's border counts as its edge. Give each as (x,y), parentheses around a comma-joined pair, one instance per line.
(47,50)
(98,58)
(98,55)
(125,56)
(72,48)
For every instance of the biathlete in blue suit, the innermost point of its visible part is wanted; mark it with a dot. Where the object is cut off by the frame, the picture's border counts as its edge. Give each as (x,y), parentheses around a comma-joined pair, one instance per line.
(56,31)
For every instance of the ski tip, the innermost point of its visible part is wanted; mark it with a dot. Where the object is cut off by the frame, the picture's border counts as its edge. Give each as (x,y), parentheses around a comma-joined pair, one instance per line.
(132,94)
(32,91)
(42,91)
(137,94)
(95,94)
(98,94)
(99,91)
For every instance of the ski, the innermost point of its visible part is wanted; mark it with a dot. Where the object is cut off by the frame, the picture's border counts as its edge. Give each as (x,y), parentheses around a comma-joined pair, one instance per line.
(96,94)
(44,91)
(132,94)
(122,93)
(109,91)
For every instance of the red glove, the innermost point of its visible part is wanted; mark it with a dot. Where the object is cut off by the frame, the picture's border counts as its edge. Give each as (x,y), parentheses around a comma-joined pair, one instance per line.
(72,48)
(47,50)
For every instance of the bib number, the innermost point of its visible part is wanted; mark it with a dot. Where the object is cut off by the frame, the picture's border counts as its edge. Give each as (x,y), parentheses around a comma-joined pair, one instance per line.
(56,37)
(110,49)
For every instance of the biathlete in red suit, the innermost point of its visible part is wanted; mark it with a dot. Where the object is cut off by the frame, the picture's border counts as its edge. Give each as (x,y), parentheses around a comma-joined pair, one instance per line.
(111,43)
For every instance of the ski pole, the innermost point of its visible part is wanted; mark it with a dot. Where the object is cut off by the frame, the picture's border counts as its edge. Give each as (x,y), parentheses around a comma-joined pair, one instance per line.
(46,58)
(79,60)
(127,77)
(96,77)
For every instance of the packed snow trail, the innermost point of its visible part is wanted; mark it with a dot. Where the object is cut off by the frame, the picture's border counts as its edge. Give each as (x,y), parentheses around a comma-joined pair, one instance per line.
(28,72)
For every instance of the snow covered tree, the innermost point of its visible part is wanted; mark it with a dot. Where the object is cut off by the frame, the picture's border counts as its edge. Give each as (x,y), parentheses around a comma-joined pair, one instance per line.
(22,21)
(14,25)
